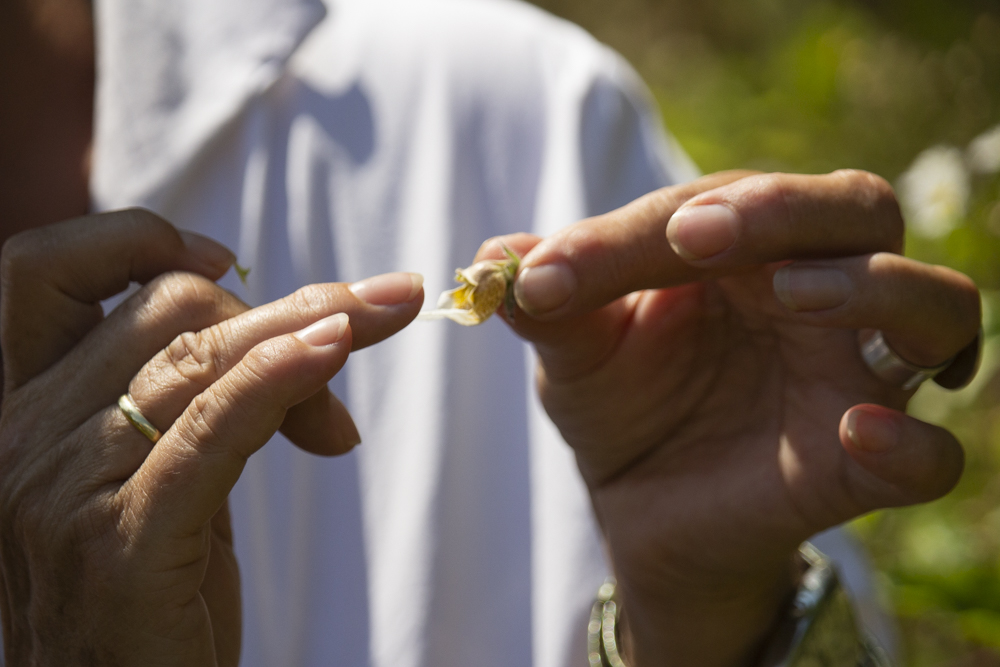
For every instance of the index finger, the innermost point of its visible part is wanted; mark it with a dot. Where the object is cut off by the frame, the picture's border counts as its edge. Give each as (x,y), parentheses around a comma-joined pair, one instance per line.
(712,227)
(775,217)
(593,262)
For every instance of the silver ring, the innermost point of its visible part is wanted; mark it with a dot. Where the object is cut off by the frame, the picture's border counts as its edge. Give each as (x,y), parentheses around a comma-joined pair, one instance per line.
(955,373)
(131,412)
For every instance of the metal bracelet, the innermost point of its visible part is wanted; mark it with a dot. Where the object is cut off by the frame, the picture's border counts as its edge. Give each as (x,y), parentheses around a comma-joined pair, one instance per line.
(603,633)
(819,628)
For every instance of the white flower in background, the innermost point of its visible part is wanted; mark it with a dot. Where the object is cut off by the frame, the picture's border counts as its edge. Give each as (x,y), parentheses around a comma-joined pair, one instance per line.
(935,190)
(983,155)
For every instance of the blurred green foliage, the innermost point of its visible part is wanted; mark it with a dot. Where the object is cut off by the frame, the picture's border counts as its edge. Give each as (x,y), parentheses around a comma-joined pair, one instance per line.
(817,85)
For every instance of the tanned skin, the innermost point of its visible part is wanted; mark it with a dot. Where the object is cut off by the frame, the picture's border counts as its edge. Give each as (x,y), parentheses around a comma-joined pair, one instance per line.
(716,425)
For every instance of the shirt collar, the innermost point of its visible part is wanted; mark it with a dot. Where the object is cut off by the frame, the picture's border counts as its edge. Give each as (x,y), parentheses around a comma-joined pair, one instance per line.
(171,74)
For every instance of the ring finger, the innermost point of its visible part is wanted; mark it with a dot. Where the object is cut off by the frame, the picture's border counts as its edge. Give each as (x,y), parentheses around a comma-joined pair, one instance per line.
(926,313)
(167,384)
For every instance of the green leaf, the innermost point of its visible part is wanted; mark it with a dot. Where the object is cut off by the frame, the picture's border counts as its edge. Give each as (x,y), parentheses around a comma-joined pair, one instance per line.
(241,272)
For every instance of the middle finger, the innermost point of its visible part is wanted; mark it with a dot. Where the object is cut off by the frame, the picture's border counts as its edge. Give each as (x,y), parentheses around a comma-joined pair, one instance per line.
(927,313)
(167,384)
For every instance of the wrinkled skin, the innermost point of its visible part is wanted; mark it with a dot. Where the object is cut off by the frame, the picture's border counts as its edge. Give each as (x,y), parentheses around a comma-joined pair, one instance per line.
(711,421)
(704,413)
(116,552)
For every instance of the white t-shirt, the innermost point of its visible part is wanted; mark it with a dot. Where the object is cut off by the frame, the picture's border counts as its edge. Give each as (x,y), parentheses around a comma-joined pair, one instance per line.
(387,135)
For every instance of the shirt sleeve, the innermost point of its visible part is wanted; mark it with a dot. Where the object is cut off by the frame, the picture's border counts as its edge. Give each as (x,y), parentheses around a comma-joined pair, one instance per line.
(625,150)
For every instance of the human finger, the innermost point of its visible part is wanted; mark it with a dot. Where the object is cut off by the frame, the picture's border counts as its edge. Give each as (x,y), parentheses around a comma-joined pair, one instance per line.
(377,307)
(902,460)
(774,217)
(98,369)
(321,425)
(570,345)
(593,262)
(926,313)
(189,473)
(188,309)
(54,278)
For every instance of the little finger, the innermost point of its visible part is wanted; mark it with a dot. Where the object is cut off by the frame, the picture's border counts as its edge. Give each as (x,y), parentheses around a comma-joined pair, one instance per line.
(902,460)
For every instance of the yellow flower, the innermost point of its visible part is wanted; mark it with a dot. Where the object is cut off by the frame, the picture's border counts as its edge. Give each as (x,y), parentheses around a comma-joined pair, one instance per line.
(483,287)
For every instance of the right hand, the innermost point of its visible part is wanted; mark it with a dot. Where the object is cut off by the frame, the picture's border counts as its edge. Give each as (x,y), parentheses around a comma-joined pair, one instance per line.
(115,550)
(698,349)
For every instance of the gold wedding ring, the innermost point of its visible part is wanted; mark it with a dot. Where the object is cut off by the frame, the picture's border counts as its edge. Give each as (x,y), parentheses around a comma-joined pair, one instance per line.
(131,412)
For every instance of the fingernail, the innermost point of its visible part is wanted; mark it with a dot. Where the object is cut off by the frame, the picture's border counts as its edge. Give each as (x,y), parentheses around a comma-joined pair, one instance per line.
(349,431)
(700,232)
(542,289)
(809,288)
(327,331)
(216,255)
(870,432)
(388,289)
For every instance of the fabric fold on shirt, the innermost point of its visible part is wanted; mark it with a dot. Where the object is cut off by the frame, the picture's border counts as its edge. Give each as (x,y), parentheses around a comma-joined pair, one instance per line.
(172,74)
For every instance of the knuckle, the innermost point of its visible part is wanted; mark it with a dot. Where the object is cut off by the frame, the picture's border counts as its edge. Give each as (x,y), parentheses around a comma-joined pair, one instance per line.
(209,415)
(873,190)
(207,429)
(877,196)
(256,363)
(216,414)
(492,247)
(857,178)
(775,184)
(20,254)
(660,205)
(194,357)
(772,192)
(186,294)
(313,299)
(142,217)
(587,241)
(487,246)
(771,187)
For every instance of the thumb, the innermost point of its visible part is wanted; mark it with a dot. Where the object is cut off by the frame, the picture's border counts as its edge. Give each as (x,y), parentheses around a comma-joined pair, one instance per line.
(53,279)
(904,460)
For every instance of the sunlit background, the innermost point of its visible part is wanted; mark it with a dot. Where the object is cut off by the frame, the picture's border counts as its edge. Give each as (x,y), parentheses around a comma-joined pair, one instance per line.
(909,89)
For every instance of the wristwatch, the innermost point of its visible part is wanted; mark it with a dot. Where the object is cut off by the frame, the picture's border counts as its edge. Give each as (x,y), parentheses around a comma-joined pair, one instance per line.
(818,630)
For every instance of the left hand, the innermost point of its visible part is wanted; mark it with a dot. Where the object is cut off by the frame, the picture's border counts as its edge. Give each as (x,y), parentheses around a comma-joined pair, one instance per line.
(113,549)
(699,351)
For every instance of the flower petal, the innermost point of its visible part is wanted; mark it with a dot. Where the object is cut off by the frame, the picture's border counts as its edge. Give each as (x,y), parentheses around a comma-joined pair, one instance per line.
(447,299)
(464,317)
(484,287)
